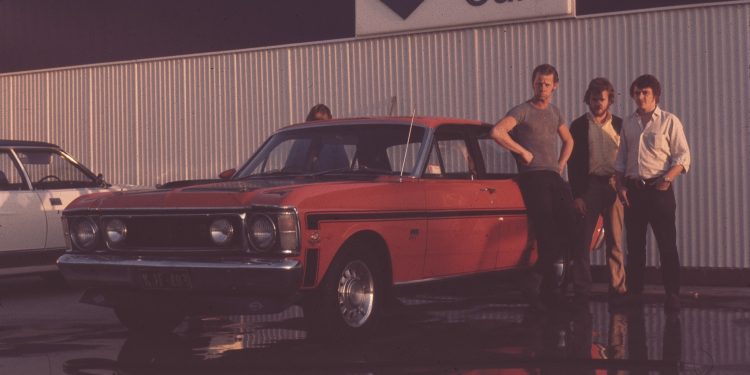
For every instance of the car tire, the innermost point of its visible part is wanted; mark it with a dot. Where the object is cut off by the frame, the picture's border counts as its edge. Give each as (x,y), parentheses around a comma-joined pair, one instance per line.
(154,319)
(350,300)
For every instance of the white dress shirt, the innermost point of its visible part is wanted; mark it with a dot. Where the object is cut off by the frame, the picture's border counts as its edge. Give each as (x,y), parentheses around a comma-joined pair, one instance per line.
(650,150)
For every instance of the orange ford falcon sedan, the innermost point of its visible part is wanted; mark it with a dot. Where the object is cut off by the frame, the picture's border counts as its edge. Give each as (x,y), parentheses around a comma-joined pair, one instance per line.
(332,215)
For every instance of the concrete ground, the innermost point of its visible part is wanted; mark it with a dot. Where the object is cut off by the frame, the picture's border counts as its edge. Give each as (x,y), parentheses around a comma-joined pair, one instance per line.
(475,329)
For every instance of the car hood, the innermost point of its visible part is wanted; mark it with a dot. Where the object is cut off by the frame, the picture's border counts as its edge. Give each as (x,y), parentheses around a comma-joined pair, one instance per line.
(226,194)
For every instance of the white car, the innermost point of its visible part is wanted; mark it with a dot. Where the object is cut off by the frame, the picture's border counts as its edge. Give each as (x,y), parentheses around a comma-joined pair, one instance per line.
(37,181)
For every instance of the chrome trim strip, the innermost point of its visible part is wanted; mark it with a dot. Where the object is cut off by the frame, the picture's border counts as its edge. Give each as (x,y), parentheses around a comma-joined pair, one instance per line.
(198,210)
(455,277)
(156,211)
(98,260)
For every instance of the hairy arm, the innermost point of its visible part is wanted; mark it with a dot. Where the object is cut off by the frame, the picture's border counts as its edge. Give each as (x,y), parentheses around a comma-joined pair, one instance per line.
(501,135)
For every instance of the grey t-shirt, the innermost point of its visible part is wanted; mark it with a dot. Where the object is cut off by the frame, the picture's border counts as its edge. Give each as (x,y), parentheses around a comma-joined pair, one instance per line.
(536,131)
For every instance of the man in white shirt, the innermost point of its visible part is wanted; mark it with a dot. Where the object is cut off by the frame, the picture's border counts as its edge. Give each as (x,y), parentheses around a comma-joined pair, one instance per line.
(653,153)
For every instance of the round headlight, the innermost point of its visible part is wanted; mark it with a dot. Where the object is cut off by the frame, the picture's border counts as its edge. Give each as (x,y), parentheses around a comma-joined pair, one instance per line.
(262,232)
(84,234)
(116,231)
(222,231)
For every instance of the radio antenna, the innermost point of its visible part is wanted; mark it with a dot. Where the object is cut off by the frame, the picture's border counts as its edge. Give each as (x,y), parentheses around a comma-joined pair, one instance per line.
(408,140)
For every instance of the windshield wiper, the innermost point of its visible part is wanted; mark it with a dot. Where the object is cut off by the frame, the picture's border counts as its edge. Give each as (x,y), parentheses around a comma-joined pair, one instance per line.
(347,170)
(271,173)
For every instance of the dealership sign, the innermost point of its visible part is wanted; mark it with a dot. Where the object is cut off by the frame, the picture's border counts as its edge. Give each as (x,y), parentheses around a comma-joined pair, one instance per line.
(392,16)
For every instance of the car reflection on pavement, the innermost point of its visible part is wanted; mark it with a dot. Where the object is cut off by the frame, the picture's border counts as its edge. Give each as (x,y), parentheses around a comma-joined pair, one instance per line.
(428,335)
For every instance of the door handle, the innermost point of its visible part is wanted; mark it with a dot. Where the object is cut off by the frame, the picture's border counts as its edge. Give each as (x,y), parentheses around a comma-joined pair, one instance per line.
(488,189)
(55,201)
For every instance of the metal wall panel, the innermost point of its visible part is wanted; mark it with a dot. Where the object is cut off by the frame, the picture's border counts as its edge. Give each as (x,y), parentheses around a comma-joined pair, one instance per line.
(148,122)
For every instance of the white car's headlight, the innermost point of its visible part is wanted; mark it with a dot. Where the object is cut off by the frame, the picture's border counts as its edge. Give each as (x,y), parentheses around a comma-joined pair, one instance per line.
(222,232)
(84,233)
(116,231)
(262,232)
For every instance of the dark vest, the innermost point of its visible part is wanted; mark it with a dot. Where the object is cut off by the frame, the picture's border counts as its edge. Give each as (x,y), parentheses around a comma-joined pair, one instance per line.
(578,164)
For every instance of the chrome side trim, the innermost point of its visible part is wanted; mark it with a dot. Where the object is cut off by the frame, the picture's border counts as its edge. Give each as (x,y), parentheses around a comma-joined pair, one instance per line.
(99,260)
(458,277)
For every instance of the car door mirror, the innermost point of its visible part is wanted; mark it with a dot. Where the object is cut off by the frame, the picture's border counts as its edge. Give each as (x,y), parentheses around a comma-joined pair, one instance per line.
(227,174)
(100,181)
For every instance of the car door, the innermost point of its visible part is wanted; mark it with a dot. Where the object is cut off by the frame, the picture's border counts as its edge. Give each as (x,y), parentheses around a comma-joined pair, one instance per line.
(23,223)
(512,241)
(57,180)
(463,224)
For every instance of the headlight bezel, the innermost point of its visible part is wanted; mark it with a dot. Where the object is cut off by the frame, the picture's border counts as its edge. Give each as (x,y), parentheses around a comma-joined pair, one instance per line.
(285,223)
(222,226)
(123,231)
(263,245)
(75,225)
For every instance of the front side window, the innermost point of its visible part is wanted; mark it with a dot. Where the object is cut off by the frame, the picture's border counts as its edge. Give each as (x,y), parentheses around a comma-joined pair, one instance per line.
(10,176)
(49,169)
(449,156)
(371,149)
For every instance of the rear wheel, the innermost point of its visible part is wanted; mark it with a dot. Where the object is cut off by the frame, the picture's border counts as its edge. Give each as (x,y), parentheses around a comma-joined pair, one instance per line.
(152,319)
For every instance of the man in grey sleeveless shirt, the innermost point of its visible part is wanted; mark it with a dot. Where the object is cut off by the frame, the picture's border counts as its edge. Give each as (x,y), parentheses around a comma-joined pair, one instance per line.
(531,130)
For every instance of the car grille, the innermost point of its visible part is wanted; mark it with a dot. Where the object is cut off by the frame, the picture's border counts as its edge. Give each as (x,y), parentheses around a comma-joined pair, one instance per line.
(184,232)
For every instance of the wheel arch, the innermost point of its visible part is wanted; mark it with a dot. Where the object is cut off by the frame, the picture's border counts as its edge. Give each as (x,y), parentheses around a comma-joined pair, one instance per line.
(366,240)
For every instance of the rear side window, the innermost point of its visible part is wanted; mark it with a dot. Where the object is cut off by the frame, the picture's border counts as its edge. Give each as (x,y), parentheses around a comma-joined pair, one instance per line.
(498,161)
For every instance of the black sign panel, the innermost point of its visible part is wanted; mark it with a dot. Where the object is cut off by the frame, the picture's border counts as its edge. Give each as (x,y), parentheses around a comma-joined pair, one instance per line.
(38,34)
(584,7)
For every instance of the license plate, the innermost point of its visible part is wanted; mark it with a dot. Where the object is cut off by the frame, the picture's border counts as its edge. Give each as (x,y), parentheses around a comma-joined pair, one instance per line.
(165,279)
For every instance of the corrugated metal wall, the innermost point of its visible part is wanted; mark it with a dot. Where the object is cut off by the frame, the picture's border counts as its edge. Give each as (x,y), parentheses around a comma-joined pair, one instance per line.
(148,122)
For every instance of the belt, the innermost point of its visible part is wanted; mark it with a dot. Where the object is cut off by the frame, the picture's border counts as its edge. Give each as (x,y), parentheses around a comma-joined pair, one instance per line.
(642,184)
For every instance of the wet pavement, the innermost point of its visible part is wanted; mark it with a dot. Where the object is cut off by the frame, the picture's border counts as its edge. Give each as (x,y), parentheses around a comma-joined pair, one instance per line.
(470,330)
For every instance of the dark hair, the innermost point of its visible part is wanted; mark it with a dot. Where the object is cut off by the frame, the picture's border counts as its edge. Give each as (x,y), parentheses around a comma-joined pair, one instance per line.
(644,81)
(545,70)
(598,85)
(318,108)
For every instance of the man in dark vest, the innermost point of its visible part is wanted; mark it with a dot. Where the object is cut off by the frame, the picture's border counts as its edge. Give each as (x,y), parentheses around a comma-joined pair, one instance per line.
(591,172)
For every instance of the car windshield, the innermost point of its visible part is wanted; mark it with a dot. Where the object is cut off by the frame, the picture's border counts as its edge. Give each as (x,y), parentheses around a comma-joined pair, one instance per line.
(342,149)
(50,169)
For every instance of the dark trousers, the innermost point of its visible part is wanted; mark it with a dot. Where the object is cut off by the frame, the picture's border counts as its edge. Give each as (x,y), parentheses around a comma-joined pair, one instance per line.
(553,221)
(657,208)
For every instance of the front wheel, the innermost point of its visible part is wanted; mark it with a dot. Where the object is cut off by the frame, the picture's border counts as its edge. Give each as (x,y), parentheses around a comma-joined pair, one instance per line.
(351,296)
(149,319)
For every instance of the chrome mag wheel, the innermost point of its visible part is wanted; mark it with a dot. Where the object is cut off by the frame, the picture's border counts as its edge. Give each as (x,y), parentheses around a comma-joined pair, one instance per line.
(356,293)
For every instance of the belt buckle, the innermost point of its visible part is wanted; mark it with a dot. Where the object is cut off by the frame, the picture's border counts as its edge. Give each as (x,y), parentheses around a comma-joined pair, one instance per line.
(641,183)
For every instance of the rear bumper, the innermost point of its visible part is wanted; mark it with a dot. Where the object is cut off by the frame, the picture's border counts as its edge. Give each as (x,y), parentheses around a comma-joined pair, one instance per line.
(255,285)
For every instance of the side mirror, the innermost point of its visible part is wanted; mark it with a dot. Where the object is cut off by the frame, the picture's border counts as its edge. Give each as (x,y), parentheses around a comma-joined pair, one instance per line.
(100,181)
(227,174)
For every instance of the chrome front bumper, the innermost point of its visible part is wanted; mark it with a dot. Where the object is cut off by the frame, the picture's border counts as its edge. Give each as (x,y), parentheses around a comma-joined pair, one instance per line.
(237,285)
(235,275)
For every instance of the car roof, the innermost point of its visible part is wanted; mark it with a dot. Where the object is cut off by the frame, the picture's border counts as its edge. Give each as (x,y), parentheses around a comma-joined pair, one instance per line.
(430,122)
(18,143)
